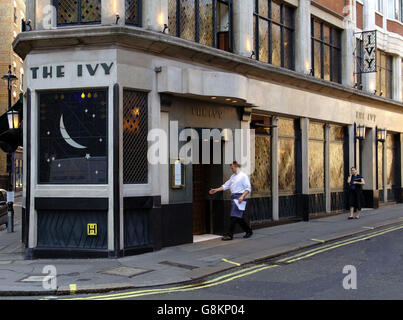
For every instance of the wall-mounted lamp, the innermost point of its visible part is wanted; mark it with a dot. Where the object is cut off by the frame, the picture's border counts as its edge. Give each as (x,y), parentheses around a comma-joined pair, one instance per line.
(381,94)
(252,55)
(165,28)
(13,119)
(360,132)
(26,25)
(117,18)
(158,69)
(381,135)
(375,91)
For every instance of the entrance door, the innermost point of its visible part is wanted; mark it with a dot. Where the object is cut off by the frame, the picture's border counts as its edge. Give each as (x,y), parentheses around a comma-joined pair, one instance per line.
(199,199)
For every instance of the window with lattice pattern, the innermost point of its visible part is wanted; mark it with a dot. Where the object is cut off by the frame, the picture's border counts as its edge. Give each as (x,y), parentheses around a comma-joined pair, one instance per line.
(78,11)
(133,12)
(135,130)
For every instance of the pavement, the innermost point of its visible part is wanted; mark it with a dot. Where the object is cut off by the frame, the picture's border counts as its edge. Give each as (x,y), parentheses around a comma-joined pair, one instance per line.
(174,265)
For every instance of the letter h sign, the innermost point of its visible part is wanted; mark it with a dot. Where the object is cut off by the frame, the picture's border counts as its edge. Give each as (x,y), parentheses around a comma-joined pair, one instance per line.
(92,229)
(369,62)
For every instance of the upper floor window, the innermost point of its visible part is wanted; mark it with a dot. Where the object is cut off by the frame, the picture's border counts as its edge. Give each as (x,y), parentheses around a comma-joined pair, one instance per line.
(384,74)
(208,22)
(326,51)
(379,6)
(133,12)
(394,7)
(78,11)
(274,33)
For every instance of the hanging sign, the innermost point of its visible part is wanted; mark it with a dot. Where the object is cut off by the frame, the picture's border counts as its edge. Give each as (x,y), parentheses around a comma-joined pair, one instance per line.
(368,64)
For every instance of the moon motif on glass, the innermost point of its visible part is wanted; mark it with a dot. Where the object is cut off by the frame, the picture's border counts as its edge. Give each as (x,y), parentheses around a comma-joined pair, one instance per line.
(67,137)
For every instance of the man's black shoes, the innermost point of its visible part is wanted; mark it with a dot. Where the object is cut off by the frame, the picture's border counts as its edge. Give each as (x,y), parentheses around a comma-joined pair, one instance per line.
(248,235)
(226,238)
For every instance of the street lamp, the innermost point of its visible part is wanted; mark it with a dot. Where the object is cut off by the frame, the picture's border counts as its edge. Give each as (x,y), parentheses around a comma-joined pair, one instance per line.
(13,123)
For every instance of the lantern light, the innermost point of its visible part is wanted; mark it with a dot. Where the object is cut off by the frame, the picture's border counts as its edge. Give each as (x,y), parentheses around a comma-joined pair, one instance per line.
(13,119)
(381,135)
(360,132)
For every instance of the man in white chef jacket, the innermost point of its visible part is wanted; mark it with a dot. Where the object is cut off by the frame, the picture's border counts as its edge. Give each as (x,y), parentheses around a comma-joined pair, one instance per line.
(239,185)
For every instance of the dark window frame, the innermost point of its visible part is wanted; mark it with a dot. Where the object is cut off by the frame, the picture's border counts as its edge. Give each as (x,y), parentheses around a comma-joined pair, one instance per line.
(282,26)
(61,91)
(197,22)
(139,15)
(332,47)
(358,63)
(79,22)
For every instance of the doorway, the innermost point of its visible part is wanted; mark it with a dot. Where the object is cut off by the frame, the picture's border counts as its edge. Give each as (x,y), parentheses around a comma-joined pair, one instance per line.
(205,177)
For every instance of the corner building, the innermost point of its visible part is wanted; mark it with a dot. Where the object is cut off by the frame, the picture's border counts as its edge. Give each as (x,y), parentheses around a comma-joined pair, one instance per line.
(101,74)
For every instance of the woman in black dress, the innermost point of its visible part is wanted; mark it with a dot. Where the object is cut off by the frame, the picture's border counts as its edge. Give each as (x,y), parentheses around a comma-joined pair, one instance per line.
(355,198)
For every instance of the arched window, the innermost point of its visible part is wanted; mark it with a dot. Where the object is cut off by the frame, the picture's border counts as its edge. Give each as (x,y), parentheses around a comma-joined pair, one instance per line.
(133,12)
(208,22)
(78,11)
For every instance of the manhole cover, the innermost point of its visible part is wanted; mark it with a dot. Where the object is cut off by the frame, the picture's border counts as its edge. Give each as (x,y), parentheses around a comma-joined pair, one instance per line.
(126,271)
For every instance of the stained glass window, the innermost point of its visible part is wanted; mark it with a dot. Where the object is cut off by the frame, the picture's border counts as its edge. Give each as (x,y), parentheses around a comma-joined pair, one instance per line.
(73,146)
(326,51)
(133,12)
(286,156)
(274,33)
(78,11)
(205,21)
(316,147)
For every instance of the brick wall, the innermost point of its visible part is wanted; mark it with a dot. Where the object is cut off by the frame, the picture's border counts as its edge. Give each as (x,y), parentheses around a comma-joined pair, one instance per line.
(360,15)
(394,26)
(334,5)
(378,20)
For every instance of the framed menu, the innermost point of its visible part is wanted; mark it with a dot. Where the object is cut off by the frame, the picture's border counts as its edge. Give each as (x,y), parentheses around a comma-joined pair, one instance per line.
(177,175)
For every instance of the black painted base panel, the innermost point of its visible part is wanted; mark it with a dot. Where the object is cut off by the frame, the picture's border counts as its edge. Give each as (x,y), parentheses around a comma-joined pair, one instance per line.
(57,253)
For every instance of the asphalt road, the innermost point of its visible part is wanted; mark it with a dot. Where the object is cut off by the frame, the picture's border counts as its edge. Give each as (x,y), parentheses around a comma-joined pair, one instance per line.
(378,261)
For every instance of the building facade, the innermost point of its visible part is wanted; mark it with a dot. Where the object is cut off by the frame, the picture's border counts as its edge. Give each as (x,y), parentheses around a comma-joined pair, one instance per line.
(113,85)
(11,14)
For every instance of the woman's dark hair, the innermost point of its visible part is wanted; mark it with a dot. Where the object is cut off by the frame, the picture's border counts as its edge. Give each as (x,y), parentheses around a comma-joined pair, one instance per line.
(236,164)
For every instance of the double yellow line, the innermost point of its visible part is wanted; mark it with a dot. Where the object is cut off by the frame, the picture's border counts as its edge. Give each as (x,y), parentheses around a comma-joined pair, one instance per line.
(312,252)
(185,288)
(240,273)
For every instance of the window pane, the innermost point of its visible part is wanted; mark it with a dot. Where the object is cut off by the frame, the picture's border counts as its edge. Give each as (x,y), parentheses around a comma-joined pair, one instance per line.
(336,38)
(276,12)
(336,156)
(326,34)
(73,146)
(90,10)
(317,59)
(135,124)
(288,49)
(260,179)
(263,40)
(276,45)
(286,127)
(316,28)
(316,165)
(206,22)
(263,8)
(172,17)
(67,11)
(391,147)
(289,16)
(187,16)
(326,63)
(132,7)
(336,65)
(286,165)
(316,130)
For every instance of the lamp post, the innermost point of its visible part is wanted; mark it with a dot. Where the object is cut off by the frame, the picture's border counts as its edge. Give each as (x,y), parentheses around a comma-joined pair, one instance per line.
(13,123)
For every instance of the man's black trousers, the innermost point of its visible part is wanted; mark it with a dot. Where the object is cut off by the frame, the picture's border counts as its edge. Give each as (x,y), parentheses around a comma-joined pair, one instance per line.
(241,222)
